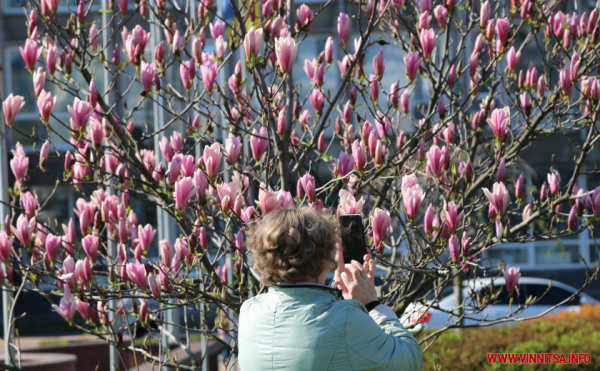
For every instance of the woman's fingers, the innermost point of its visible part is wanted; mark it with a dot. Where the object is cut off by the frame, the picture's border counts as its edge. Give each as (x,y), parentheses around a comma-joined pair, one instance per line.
(353,271)
(360,268)
(346,281)
(371,273)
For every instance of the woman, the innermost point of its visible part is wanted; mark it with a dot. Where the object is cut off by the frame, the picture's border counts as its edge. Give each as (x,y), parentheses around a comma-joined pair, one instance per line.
(301,324)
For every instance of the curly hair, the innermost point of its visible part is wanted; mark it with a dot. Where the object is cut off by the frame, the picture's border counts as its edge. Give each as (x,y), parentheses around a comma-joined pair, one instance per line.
(291,243)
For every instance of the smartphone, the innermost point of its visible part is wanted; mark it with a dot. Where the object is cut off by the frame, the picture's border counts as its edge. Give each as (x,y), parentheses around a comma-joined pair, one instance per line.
(353,237)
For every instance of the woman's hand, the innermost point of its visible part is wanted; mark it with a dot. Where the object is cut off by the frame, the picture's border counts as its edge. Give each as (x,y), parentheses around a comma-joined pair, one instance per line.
(357,280)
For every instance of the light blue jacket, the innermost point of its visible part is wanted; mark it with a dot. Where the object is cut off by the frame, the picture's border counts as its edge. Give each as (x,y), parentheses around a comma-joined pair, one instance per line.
(304,328)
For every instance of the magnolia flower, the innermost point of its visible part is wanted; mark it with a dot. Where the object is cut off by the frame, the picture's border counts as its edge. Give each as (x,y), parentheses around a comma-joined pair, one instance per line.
(498,198)
(511,276)
(227,193)
(304,16)
(67,306)
(259,143)
(359,154)
(80,114)
(285,49)
(500,123)
(428,40)
(412,61)
(90,244)
(412,196)
(348,204)
(308,184)
(380,222)
(46,104)
(184,191)
(451,217)
(11,107)
(233,148)
(343,27)
(137,274)
(212,159)
(31,53)
(252,43)
(435,161)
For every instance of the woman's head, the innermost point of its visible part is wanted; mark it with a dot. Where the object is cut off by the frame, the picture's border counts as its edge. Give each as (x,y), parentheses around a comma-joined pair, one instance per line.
(293,243)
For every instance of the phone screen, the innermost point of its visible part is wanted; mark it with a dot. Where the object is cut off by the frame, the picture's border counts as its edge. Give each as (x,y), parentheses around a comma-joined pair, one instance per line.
(353,237)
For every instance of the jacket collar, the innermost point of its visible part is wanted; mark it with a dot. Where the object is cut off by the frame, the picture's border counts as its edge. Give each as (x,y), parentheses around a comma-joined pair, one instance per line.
(308,285)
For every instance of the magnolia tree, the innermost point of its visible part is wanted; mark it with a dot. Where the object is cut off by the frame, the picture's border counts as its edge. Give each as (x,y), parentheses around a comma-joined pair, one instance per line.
(438,182)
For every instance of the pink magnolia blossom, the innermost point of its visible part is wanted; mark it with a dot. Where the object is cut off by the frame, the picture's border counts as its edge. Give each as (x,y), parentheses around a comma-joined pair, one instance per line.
(412,196)
(209,74)
(503,30)
(428,220)
(343,28)
(147,71)
(233,148)
(595,201)
(6,244)
(435,161)
(304,16)
(329,50)
(500,123)
(499,198)
(348,204)
(316,99)
(554,182)
(441,15)
(380,222)
(252,43)
(566,84)
(259,143)
(39,78)
(187,71)
(519,187)
(145,236)
(379,64)
(11,107)
(217,29)
(25,230)
(451,217)
(308,184)
(285,49)
(19,163)
(511,276)
(212,159)
(67,306)
(484,14)
(344,164)
(137,274)
(184,191)
(359,154)
(80,113)
(155,285)
(454,249)
(46,104)
(30,204)
(90,244)
(31,53)
(412,62)
(227,193)
(428,40)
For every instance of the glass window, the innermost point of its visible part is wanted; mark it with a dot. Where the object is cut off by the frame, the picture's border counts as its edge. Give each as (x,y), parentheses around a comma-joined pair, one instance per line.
(511,256)
(554,296)
(503,298)
(556,254)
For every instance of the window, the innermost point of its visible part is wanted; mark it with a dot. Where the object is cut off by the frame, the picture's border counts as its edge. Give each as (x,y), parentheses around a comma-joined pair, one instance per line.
(552,297)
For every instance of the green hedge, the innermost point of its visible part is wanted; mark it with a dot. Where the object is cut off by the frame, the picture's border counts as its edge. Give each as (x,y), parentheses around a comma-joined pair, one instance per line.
(564,332)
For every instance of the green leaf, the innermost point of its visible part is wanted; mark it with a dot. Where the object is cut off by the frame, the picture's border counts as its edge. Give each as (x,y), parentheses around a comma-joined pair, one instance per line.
(105,11)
